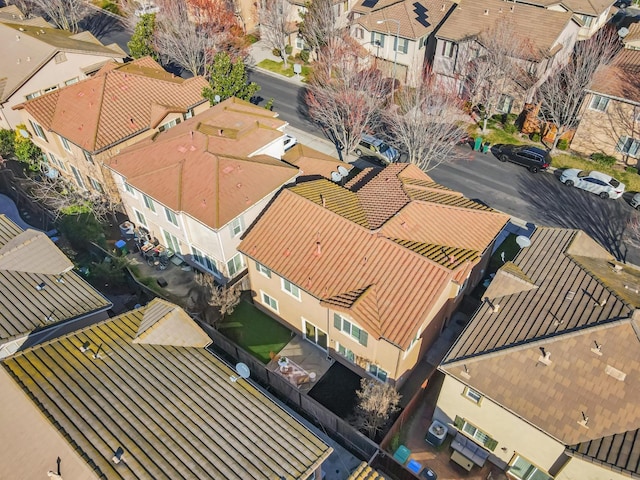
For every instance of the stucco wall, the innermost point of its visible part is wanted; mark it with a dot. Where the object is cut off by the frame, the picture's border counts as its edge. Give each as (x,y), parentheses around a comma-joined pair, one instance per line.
(578,469)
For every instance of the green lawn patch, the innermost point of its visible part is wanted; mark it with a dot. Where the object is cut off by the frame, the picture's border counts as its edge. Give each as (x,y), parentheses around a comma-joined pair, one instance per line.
(510,249)
(276,66)
(255,331)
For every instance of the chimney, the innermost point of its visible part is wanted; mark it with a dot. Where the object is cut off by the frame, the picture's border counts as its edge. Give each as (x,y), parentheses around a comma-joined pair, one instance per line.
(545,358)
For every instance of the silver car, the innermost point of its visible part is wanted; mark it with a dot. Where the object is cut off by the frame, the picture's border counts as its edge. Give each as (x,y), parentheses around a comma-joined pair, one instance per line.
(599,183)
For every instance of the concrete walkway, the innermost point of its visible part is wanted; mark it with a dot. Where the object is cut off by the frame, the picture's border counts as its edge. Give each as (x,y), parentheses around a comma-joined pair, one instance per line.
(8,208)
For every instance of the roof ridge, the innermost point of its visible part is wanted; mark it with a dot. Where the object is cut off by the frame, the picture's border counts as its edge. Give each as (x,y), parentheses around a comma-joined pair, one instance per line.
(100,109)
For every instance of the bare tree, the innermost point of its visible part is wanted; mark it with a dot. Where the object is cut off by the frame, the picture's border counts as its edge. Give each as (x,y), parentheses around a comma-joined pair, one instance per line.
(64,14)
(319,24)
(562,94)
(426,124)
(377,401)
(274,25)
(226,298)
(345,94)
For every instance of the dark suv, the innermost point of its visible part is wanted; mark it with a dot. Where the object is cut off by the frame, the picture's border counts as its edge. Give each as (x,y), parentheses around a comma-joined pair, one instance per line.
(534,158)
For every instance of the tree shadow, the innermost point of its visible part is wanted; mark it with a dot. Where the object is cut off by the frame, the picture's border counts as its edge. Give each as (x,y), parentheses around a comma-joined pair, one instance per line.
(568,207)
(101,25)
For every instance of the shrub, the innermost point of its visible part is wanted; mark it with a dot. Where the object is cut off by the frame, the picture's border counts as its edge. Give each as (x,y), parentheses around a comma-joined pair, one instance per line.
(110,6)
(510,128)
(252,38)
(276,53)
(535,137)
(288,49)
(7,148)
(304,56)
(633,170)
(563,144)
(602,159)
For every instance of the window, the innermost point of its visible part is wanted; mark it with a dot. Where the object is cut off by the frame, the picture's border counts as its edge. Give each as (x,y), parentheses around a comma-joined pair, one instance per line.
(140,217)
(129,189)
(188,114)
(148,202)
(88,157)
(599,103)
(79,180)
(629,146)
(350,329)
(472,395)
(65,144)
(60,57)
(170,124)
(270,302)
(299,43)
(423,42)
(263,270)
(50,89)
(71,82)
(171,241)
(414,340)
(377,39)
(505,103)
(57,161)
(377,372)
(205,261)
(96,185)
(33,95)
(358,33)
(401,45)
(586,19)
(524,470)
(171,217)
(477,434)
(345,352)
(235,265)
(236,226)
(38,130)
(447,49)
(291,289)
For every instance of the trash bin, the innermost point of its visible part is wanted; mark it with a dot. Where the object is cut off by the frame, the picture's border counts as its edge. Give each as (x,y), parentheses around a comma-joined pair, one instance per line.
(477,144)
(122,246)
(485,147)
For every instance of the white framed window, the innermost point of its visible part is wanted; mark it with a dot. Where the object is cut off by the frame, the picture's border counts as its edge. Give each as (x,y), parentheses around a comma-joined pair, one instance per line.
(129,189)
(140,217)
(447,49)
(299,43)
(57,161)
(358,33)
(377,39)
(270,302)
(345,352)
(88,157)
(149,203)
(525,470)
(171,216)
(263,270)
(586,19)
(168,125)
(291,289)
(378,372)
(71,81)
(401,45)
(423,42)
(473,395)
(475,433)
(171,241)
(38,130)
(235,265)
(78,177)
(60,57)
(629,146)
(65,143)
(505,103)
(236,226)
(188,114)
(599,103)
(50,89)
(33,95)
(347,327)
(205,261)
(96,185)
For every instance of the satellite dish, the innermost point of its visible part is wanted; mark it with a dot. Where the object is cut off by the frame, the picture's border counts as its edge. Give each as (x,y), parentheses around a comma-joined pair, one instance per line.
(242,370)
(23,133)
(336,177)
(623,32)
(523,241)
(343,171)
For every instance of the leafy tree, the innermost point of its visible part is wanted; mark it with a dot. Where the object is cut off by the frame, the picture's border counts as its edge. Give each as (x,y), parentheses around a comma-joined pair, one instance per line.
(141,43)
(376,403)
(7,139)
(81,229)
(227,79)
(25,150)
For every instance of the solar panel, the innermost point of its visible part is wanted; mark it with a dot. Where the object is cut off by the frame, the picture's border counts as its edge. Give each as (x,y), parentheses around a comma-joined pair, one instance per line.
(370,3)
(421,14)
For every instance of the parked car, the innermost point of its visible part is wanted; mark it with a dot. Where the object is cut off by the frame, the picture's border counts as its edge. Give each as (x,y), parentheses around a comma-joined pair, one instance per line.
(289,141)
(635,201)
(146,9)
(599,183)
(534,158)
(374,147)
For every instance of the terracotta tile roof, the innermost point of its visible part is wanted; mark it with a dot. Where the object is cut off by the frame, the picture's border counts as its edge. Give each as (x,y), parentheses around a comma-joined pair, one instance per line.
(116,103)
(172,409)
(619,452)
(206,166)
(620,78)
(469,19)
(312,162)
(417,18)
(449,257)
(575,316)
(360,267)
(27,259)
(28,46)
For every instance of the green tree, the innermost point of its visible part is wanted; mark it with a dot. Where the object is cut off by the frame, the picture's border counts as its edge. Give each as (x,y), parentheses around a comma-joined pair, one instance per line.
(228,79)
(7,139)
(25,150)
(141,43)
(81,229)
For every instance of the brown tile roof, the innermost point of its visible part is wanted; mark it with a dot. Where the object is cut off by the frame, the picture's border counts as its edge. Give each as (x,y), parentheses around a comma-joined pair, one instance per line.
(385,279)
(469,19)
(29,259)
(570,314)
(634,33)
(172,409)
(417,18)
(212,177)
(311,162)
(620,452)
(620,78)
(116,103)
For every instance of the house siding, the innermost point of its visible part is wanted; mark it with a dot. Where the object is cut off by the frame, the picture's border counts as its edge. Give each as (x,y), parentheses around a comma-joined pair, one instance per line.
(579,469)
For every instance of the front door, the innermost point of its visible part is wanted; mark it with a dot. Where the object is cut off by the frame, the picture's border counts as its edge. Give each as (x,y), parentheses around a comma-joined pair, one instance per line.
(314,334)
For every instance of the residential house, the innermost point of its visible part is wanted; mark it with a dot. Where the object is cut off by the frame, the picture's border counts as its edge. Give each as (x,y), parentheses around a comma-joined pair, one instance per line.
(457,44)
(399,34)
(545,377)
(41,294)
(80,126)
(38,58)
(632,39)
(198,186)
(315,164)
(371,270)
(341,12)
(610,113)
(139,396)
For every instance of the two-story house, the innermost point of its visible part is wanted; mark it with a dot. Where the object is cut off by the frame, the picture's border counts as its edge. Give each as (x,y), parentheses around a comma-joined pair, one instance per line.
(369,271)
(198,186)
(37,58)
(41,293)
(610,113)
(80,126)
(399,34)
(545,377)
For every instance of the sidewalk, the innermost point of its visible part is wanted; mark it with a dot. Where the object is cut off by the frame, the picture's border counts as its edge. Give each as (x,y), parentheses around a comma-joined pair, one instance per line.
(259,52)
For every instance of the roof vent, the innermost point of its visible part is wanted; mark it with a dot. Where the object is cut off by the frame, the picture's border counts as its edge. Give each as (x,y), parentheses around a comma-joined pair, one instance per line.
(512,8)
(85,346)
(597,349)
(41,286)
(28,59)
(545,358)
(584,420)
(318,249)
(617,268)
(486,12)
(615,373)
(42,31)
(443,7)
(117,456)
(633,288)
(569,296)
(18,62)
(494,307)
(465,372)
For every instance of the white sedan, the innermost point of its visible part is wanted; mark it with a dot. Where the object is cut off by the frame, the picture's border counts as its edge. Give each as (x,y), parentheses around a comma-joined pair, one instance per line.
(601,184)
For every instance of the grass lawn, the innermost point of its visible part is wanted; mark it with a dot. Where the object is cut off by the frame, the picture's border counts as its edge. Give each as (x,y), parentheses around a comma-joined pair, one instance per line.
(631,180)
(278,67)
(255,331)
(510,249)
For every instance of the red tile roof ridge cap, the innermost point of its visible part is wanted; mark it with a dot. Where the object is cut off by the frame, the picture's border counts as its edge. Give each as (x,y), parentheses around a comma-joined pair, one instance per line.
(417,186)
(472,211)
(255,113)
(94,141)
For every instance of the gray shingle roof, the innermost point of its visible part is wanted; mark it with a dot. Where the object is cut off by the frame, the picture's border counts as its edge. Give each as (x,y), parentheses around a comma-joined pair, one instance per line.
(620,452)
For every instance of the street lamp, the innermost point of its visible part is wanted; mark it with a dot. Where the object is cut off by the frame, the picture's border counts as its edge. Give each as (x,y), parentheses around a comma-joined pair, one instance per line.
(395,55)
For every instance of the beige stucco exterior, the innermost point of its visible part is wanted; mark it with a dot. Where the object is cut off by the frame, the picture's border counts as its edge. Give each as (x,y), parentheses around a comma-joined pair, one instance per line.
(579,469)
